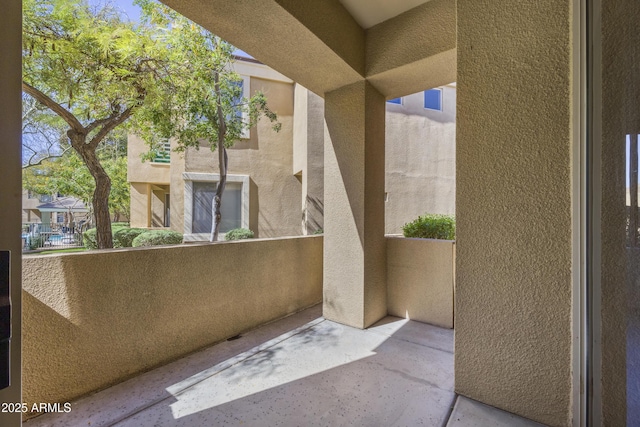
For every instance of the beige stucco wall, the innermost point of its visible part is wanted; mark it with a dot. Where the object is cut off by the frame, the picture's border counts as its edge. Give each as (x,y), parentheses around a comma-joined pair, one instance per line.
(419,156)
(420,159)
(139,175)
(96,318)
(420,42)
(267,158)
(177,185)
(147,171)
(138,204)
(11,191)
(355,291)
(308,156)
(513,206)
(421,279)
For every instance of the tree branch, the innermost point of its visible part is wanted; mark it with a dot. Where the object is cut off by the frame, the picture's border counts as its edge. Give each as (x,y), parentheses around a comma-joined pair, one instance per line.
(53,106)
(49,156)
(110,124)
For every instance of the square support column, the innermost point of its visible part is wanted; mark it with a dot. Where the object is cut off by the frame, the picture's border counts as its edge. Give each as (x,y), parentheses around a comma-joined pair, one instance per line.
(517,131)
(355,291)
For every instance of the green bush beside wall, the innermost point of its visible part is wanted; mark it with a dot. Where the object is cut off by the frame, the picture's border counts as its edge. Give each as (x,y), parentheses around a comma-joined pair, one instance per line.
(431,226)
(91,240)
(123,237)
(239,234)
(157,237)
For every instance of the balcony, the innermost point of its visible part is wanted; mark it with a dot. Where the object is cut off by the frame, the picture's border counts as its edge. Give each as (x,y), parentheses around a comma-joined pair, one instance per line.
(301,370)
(233,333)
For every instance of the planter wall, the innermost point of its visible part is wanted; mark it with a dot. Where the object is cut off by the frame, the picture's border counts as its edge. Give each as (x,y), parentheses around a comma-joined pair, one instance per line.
(421,279)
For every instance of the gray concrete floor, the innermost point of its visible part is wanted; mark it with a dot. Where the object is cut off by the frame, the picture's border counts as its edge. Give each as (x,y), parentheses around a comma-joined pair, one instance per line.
(299,371)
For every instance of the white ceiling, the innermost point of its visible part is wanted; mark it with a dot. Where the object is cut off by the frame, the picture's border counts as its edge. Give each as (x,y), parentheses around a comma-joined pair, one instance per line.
(368,13)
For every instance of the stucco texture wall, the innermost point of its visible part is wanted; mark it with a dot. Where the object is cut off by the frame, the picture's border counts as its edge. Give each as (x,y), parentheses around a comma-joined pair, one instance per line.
(420,159)
(421,280)
(355,290)
(96,318)
(275,205)
(513,207)
(147,171)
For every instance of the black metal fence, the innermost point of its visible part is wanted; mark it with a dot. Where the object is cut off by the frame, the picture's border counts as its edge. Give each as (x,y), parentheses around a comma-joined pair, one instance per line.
(54,236)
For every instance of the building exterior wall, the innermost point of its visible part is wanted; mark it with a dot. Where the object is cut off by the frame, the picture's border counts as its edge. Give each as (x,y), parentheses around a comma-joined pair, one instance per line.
(148,171)
(420,159)
(266,157)
(515,135)
(286,169)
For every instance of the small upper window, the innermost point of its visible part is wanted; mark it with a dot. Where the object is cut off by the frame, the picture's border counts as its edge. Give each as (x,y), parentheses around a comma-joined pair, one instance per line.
(433,99)
(395,101)
(163,155)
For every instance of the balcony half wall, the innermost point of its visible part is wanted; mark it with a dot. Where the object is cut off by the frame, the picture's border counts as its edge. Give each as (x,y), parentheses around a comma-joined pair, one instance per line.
(97,318)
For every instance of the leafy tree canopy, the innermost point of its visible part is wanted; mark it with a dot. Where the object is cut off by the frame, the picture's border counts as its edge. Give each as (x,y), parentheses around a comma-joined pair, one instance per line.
(93,72)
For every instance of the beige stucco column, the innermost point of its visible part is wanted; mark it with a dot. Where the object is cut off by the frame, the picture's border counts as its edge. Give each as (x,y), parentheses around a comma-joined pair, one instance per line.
(354,245)
(514,202)
(11,191)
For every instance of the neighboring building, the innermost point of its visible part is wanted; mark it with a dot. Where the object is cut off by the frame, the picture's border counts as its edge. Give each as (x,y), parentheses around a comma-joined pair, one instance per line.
(52,210)
(275,182)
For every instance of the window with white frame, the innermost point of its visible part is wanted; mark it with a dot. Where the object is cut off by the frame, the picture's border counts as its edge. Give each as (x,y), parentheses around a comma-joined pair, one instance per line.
(199,191)
(433,99)
(395,101)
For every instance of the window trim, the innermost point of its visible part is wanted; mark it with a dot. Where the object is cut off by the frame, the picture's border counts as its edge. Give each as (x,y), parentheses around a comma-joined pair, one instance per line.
(424,100)
(191,177)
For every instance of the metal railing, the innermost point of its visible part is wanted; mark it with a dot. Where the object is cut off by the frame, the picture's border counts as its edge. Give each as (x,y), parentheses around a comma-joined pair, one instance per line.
(53,236)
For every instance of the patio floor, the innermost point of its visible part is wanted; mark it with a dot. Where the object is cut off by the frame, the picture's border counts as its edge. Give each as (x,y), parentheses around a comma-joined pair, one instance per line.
(299,371)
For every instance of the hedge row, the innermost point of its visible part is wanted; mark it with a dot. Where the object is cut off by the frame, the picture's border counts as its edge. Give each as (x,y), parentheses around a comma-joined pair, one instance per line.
(125,237)
(431,226)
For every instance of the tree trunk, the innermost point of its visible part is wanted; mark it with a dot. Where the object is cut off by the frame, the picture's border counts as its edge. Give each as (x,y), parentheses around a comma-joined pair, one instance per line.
(216,216)
(217,198)
(100,200)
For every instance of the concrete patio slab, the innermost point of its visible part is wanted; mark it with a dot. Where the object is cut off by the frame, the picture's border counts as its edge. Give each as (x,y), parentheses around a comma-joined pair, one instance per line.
(301,370)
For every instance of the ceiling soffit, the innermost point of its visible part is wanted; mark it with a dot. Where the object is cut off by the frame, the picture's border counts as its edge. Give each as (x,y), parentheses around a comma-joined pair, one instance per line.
(368,13)
(322,46)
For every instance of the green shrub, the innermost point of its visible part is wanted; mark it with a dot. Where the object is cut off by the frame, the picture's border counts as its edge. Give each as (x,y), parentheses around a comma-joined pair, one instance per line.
(431,226)
(239,234)
(123,237)
(157,237)
(90,239)
(318,231)
(36,242)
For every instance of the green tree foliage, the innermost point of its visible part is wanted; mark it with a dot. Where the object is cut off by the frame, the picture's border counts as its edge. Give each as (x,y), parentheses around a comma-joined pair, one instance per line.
(93,70)
(66,174)
(207,103)
(165,77)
